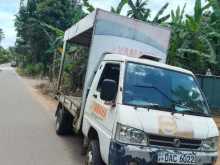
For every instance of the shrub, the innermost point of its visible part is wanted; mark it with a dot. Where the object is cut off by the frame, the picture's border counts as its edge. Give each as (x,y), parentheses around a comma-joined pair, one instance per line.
(4,59)
(31,70)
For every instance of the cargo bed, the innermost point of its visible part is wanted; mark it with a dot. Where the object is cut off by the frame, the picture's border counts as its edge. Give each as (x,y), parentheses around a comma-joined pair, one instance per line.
(72,103)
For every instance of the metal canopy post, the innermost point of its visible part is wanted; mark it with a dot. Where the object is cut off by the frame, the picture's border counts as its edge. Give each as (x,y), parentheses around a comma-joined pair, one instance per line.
(61,66)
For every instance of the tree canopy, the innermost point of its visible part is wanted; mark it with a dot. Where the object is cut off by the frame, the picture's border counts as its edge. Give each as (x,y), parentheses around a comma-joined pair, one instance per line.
(39,24)
(194,45)
(1,35)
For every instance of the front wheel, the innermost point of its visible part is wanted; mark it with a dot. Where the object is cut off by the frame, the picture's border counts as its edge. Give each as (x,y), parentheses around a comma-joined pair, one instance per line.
(93,155)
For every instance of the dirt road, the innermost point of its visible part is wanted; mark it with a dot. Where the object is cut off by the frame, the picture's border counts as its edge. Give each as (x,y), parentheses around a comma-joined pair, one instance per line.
(27,135)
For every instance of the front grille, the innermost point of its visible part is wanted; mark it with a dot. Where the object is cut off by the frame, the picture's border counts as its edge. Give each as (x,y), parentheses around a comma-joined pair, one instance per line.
(170,142)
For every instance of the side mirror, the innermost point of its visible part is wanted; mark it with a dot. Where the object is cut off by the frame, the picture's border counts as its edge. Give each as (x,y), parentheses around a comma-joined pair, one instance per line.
(108,90)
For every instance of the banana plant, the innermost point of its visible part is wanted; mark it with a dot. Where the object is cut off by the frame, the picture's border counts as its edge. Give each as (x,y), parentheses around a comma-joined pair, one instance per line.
(58,32)
(158,19)
(215,4)
(76,66)
(199,31)
(178,35)
(177,16)
(215,24)
(88,6)
(192,39)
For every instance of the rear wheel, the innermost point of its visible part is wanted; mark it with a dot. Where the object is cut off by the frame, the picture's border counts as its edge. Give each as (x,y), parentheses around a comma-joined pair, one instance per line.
(63,122)
(93,155)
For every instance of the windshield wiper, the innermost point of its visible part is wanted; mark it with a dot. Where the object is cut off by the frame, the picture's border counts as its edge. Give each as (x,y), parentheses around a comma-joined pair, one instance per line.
(174,103)
(161,92)
(155,106)
(191,111)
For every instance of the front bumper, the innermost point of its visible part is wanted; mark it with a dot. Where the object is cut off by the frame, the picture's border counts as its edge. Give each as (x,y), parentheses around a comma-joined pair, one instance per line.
(125,154)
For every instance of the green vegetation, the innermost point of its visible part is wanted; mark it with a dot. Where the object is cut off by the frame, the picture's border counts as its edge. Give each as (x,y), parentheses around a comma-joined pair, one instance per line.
(33,69)
(192,42)
(4,54)
(40,25)
(1,35)
(195,42)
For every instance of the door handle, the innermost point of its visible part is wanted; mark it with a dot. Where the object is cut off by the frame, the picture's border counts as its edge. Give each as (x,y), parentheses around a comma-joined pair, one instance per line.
(95,95)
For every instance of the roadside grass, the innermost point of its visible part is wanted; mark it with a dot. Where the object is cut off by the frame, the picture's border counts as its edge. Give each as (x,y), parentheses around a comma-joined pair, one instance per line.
(20,71)
(30,70)
(42,84)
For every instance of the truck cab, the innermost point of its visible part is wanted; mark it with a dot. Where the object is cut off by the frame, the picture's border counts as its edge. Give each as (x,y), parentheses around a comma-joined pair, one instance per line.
(144,112)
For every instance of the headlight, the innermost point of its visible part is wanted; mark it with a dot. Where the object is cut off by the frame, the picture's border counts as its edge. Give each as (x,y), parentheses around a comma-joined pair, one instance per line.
(210,144)
(130,135)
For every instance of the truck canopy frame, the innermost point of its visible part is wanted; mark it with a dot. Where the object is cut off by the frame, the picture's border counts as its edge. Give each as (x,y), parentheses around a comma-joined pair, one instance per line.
(81,33)
(102,32)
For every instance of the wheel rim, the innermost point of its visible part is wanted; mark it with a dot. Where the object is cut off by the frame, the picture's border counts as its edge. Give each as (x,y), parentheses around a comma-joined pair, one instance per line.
(89,158)
(58,120)
(57,124)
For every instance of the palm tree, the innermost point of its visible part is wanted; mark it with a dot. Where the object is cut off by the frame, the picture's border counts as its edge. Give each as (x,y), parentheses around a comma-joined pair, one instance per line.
(120,6)
(138,10)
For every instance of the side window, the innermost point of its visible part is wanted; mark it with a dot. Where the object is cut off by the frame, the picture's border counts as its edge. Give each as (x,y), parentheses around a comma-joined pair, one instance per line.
(111,71)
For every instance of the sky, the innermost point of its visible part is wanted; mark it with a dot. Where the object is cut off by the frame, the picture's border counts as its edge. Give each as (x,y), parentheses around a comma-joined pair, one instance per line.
(9,8)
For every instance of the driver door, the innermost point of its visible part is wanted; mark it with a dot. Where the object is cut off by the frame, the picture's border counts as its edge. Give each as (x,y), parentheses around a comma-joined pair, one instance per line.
(102,112)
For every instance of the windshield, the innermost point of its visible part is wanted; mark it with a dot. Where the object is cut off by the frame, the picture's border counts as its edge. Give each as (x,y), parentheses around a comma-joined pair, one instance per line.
(158,88)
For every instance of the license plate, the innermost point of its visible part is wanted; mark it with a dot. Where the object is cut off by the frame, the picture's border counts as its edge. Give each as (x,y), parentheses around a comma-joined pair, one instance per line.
(176,158)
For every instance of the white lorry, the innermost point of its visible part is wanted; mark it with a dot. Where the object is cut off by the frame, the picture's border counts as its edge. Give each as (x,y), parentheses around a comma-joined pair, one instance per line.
(135,109)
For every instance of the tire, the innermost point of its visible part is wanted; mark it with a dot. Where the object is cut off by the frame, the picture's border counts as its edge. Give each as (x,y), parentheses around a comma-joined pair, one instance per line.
(93,155)
(64,122)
